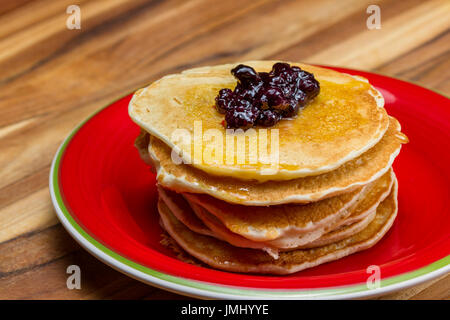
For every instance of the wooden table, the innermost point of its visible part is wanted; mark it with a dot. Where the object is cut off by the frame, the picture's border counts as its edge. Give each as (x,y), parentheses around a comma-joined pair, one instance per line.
(52,77)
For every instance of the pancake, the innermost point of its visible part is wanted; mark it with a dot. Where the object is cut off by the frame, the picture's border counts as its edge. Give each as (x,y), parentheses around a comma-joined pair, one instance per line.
(221,255)
(341,232)
(181,209)
(221,232)
(269,223)
(345,120)
(216,229)
(184,212)
(141,143)
(370,199)
(370,166)
(274,222)
(310,240)
(237,222)
(288,226)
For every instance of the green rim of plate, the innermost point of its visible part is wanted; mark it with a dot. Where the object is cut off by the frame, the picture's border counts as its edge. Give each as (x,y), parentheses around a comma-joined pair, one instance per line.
(206,289)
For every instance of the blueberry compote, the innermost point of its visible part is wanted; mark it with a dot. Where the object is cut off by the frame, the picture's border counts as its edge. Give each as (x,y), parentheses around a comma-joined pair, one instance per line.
(264,98)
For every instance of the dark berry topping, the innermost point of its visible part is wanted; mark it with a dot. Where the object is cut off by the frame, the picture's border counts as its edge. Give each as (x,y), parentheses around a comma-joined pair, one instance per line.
(268,118)
(245,74)
(265,98)
(242,116)
(223,100)
(280,67)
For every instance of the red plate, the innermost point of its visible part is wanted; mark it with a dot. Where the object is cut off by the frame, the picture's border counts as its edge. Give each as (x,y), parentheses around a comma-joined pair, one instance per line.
(106,198)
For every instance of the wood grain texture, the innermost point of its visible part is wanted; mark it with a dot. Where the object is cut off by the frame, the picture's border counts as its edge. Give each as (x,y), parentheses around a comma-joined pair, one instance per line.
(51,78)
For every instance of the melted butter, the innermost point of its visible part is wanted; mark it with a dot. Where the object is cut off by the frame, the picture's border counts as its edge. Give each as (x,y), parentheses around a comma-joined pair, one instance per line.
(333,113)
(199,103)
(402,137)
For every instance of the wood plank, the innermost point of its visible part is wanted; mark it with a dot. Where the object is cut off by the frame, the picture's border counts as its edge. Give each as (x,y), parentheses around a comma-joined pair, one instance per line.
(424,64)
(26,215)
(372,48)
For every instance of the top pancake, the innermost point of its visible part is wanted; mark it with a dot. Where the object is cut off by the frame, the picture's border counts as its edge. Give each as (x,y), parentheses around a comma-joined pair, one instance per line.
(346,119)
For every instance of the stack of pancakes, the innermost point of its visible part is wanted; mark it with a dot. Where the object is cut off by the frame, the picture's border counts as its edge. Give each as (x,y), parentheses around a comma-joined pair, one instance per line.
(333,193)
